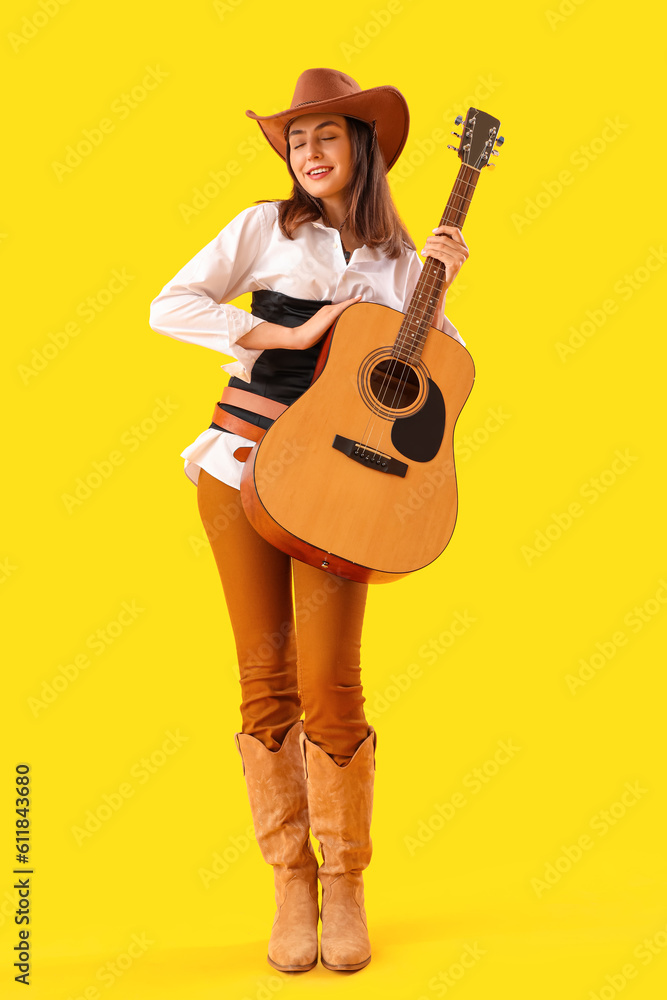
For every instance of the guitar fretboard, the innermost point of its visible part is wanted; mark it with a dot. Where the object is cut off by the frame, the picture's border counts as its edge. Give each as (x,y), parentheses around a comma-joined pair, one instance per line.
(419,316)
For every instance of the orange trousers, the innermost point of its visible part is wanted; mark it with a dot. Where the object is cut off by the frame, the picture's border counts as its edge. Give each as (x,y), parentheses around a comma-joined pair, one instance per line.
(297,631)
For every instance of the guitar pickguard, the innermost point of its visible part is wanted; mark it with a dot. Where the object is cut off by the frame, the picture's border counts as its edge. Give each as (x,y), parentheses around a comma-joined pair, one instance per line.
(418,437)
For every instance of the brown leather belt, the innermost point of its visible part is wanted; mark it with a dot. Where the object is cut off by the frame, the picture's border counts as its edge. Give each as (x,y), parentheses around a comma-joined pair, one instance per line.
(247,401)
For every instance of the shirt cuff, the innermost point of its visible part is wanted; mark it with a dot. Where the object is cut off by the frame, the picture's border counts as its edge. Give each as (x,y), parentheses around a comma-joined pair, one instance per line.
(239,323)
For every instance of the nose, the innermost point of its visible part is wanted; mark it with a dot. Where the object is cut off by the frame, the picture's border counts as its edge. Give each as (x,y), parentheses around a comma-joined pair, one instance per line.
(312,147)
(312,160)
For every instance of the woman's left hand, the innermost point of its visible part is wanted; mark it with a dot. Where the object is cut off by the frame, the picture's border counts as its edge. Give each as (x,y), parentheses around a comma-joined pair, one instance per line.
(447,244)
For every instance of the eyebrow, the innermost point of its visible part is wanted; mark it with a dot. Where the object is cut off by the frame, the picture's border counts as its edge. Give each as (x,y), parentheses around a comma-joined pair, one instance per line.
(300,131)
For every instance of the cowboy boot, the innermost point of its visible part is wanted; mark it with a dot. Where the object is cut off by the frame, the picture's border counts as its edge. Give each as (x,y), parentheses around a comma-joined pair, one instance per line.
(279,805)
(340,802)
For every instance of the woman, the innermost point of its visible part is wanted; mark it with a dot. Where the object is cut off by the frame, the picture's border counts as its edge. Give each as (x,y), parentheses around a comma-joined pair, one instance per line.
(337,240)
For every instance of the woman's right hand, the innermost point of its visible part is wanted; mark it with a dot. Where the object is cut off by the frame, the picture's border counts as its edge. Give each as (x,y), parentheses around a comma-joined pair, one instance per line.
(267,336)
(301,337)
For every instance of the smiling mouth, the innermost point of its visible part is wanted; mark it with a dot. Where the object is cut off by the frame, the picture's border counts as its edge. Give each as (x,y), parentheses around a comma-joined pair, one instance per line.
(319,172)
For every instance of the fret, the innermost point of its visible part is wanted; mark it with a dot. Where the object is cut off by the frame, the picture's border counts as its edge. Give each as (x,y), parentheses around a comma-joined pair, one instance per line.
(418,320)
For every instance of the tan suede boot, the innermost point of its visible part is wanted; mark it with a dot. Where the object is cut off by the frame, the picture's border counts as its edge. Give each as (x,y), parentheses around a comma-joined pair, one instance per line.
(340,802)
(279,805)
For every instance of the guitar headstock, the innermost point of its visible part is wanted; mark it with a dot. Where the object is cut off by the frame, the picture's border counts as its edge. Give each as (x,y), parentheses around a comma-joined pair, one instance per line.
(479,136)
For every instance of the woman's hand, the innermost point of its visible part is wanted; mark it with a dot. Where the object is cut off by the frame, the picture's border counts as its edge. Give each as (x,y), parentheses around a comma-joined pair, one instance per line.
(269,336)
(301,337)
(451,249)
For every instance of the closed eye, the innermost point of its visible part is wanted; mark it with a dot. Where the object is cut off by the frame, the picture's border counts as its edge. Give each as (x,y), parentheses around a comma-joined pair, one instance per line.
(324,139)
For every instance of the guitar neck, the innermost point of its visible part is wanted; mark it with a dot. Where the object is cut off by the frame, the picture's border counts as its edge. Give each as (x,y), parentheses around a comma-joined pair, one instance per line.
(419,316)
(478,137)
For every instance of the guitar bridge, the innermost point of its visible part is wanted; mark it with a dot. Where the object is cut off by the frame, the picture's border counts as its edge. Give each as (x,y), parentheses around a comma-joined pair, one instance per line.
(369,457)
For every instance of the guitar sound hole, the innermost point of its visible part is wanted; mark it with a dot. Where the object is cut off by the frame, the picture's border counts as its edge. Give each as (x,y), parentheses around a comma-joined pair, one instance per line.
(394,384)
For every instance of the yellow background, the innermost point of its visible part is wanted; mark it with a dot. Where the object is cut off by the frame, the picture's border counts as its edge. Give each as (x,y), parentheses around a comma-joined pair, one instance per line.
(545,262)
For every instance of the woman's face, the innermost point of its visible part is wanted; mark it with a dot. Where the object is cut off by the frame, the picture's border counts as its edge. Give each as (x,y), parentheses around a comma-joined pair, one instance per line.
(320,141)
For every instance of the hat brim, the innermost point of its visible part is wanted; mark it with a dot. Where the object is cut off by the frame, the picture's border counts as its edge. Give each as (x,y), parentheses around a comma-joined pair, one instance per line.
(384,104)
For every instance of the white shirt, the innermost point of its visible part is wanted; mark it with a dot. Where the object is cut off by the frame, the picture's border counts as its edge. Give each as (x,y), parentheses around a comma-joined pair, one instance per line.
(249,254)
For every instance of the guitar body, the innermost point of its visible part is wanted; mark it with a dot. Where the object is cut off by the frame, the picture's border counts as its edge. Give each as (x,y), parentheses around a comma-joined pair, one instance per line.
(357,476)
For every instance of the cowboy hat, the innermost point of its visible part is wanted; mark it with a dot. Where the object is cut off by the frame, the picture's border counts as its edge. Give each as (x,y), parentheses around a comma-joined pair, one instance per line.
(330,90)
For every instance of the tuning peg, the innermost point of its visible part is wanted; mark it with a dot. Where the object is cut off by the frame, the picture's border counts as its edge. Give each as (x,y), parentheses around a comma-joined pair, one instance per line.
(453,147)
(458,119)
(500,140)
(491,166)
(456,134)
(494,152)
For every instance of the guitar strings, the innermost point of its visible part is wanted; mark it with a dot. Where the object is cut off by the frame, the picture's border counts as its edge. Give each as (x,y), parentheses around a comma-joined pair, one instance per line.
(404,345)
(467,184)
(428,283)
(433,272)
(417,339)
(401,344)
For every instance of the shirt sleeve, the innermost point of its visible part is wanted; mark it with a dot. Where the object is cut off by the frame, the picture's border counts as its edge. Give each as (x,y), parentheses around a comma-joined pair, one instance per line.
(194,307)
(414,271)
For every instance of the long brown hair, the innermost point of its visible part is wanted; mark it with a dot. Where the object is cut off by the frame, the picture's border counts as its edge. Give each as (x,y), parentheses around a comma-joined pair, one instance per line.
(373,217)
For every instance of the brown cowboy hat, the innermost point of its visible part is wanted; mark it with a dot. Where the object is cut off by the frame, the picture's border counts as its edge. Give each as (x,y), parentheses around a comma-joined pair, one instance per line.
(330,90)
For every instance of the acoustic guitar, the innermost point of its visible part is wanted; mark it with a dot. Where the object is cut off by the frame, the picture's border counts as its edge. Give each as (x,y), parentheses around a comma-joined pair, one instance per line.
(357,476)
